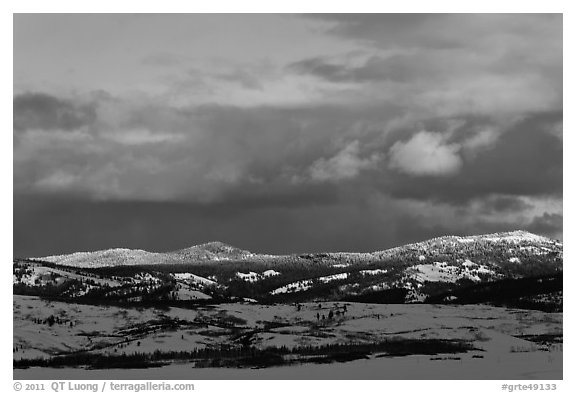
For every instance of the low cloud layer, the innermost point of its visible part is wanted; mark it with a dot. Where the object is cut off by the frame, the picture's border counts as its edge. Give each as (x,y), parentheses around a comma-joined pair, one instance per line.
(40,111)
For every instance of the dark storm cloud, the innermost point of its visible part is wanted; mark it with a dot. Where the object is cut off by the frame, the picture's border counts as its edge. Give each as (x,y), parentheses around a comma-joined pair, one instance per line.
(209,154)
(272,148)
(439,31)
(45,112)
(391,27)
(549,224)
(526,160)
(381,129)
(503,203)
(165,226)
(85,225)
(279,196)
(294,156)
(244,78)
(397,68)
(423,65)
(322,68)
(261,207)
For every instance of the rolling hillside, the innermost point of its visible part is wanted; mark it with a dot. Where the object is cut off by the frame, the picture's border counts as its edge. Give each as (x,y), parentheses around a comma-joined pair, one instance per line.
(446,269)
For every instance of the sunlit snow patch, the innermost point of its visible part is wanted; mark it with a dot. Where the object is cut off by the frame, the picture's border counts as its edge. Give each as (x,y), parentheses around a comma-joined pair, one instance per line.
(373,272)
(253,277)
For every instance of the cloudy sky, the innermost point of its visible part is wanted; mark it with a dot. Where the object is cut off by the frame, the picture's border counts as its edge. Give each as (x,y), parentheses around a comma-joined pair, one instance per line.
(283,133)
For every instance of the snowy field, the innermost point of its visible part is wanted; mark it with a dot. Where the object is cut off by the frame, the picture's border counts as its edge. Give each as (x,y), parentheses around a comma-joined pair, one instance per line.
(507,343)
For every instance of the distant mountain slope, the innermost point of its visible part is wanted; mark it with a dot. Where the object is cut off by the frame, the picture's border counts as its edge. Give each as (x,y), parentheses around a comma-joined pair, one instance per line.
(515,268)
(213,251)
(504,246)
(446,244)
(513,247)
(111,257)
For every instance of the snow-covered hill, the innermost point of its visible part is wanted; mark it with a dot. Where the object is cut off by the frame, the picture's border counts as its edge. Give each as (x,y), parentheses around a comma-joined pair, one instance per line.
(440,268)
(112,257)
(213,251)
(514,247)
(509,241)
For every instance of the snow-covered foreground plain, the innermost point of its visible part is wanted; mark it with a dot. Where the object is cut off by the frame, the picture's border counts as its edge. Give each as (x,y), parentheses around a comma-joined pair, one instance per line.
(507,343)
